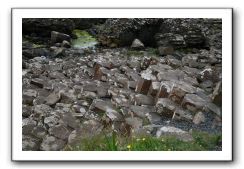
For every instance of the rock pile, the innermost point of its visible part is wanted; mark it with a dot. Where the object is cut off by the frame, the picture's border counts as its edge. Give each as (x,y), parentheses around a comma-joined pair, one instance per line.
(69,96)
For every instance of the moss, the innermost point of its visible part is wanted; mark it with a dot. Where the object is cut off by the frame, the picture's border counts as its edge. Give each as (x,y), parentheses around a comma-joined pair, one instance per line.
(84,39)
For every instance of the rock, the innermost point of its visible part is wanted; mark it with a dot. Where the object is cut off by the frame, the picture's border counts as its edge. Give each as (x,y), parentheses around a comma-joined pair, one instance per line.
(154,88)
(181,114)
(207,85)
(26,110)
(60,131)
(172,131)
(214,109)
(171,75)
(56,75)
(154,118)
(137,44)
(30,143)
(39,132)
(102,91)
(41,110)
(166,107)
(217,94)
(69,120)
(89,129)
(107,108)
(51,143)
(145,82)
(193,102)
(170,39)
(131,85)
(27,126)
(194,38)
(165,50)
(28,96)
(53,66)
(101,73)
(140,111)
(79,109)
(165,89)
(134,122)
(120,101)
(34,52)
(43,26)
(38,82)
(68,96)
(122,31)
(65,44)
(90,86)
(59,37)
(113,115)
(141,99)
(52,99)
(52,120)
(179,90)
(199,118)
(159,68)
(58,52)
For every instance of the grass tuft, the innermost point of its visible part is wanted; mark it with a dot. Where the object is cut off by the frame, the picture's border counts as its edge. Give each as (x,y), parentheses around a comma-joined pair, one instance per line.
(113,142)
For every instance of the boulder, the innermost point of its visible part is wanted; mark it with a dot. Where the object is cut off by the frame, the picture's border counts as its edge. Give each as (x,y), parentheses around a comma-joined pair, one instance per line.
(39,132)
(107,108)
(137,44)
(66,44)
(141,99)
(173,131)
(38,82)
(51,143)
(59,131)
(199,118)
(57,37)
(193,102)
(52,99)
(140,111)
(30,143)
(134,122)
(28,96)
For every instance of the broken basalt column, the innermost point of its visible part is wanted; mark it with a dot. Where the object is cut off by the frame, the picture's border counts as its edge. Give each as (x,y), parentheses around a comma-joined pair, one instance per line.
(154,88)
(193,102)
(145,82)
(166,107)
(165,89)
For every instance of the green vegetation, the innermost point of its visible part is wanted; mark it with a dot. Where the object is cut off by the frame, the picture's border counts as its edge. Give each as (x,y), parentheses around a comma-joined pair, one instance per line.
(84,39)
(138,53)
(202,142)
(131,52)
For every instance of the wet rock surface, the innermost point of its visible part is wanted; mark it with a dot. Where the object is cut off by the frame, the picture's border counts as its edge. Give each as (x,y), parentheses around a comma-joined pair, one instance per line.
(71,94)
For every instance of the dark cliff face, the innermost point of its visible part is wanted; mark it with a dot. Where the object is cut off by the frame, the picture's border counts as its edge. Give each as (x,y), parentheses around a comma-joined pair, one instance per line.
(200,33)
(44,26)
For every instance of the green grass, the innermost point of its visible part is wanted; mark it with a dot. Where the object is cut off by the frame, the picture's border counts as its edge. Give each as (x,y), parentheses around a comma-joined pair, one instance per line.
(131,52)
(141,53)
(202,142)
